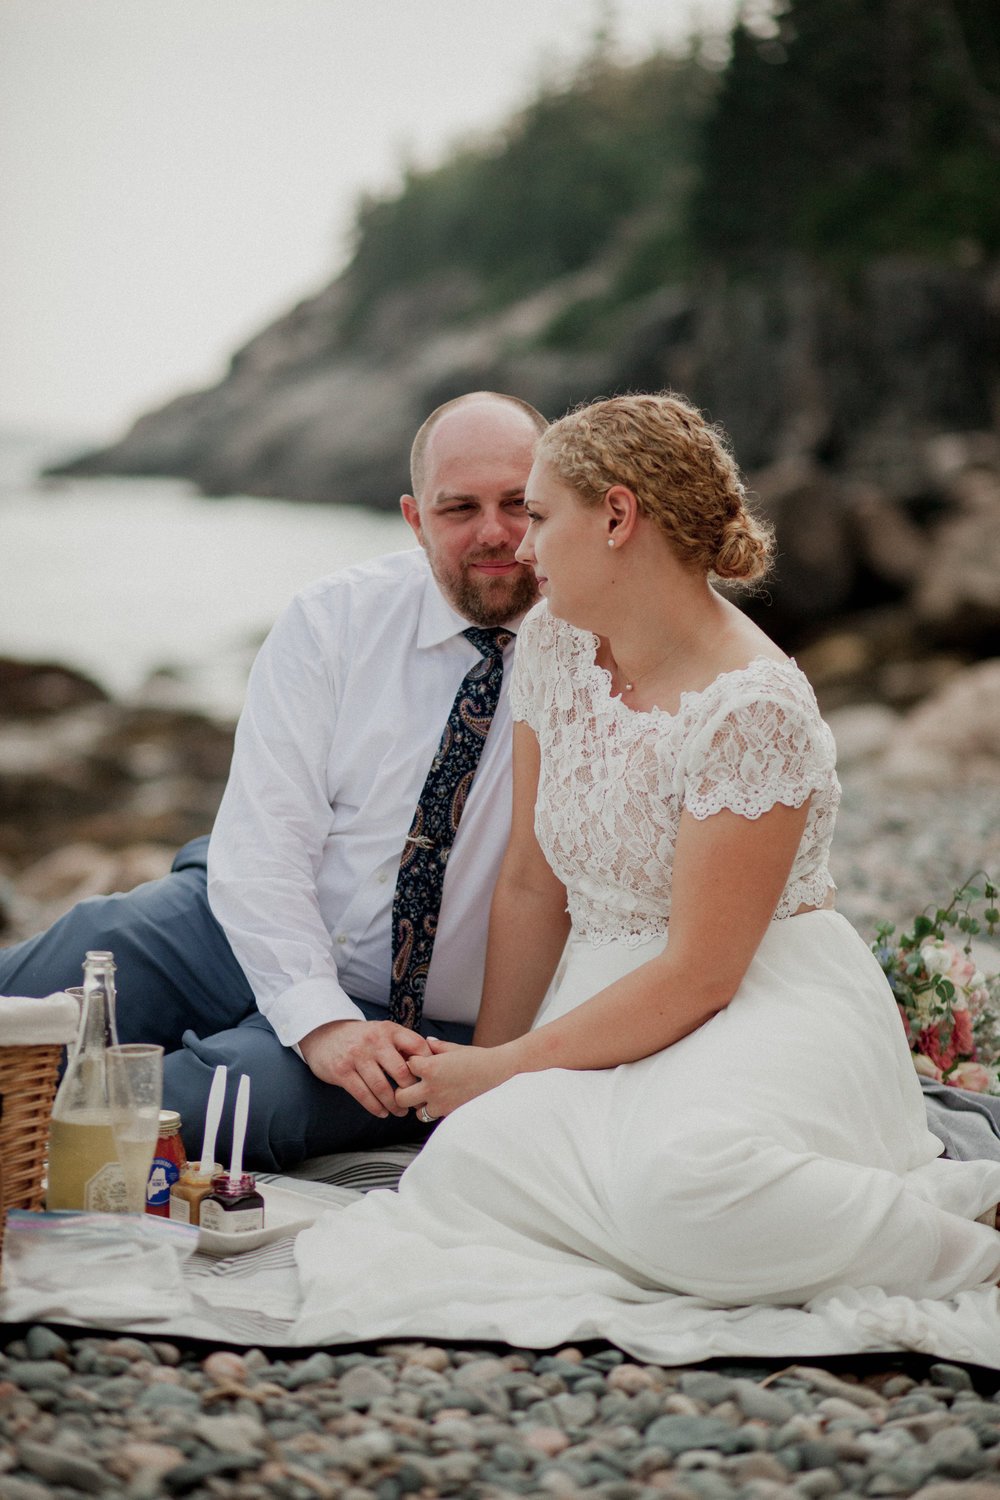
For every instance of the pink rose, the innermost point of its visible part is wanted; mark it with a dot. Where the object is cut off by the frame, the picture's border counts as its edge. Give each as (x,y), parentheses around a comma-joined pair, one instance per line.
(971,1075)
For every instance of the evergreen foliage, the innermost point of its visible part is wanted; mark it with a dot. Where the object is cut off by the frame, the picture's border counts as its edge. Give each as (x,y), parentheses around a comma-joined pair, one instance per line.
(841,128)
(550,192)
(857,127)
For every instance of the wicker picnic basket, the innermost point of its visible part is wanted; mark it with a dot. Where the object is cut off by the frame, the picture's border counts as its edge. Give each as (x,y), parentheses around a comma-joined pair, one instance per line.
(28,1075)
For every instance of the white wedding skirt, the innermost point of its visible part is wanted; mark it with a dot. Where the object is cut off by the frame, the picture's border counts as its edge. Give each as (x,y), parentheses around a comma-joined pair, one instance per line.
(766,1185)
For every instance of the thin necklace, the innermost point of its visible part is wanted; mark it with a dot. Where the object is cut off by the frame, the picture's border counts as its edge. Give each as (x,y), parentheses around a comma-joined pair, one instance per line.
(629,687)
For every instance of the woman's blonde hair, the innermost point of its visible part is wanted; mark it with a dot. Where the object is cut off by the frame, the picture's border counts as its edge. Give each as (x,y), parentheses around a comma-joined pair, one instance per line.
(680,470)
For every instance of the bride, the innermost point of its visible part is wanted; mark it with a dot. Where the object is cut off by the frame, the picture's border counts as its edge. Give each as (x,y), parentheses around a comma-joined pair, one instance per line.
(689,1075)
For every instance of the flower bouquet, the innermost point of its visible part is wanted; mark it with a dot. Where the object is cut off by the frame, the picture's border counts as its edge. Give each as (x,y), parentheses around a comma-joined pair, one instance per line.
(949,1008)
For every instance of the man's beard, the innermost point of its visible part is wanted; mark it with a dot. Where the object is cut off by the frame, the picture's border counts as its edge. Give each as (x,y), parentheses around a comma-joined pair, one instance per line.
(488,601)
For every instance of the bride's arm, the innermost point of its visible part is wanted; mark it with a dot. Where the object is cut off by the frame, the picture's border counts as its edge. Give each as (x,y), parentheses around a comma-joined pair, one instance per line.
(729,873)
(528,918)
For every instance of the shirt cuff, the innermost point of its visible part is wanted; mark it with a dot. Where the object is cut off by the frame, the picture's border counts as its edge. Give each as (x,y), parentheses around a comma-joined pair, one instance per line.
(306,1005)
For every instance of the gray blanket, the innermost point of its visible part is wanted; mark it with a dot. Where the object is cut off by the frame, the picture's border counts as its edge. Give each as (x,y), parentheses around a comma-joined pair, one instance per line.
(967,1124)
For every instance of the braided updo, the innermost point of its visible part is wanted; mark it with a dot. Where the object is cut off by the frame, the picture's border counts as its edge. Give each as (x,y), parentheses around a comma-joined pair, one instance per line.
(678,467)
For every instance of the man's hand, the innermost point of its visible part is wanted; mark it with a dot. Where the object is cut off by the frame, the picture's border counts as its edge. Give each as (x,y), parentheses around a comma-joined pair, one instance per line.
(365,1058)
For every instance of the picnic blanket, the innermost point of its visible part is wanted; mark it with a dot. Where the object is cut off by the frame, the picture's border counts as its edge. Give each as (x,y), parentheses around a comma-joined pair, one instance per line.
(167,1288)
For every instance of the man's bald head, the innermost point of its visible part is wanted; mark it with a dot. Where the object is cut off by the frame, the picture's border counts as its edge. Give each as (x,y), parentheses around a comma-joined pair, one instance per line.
(419,449)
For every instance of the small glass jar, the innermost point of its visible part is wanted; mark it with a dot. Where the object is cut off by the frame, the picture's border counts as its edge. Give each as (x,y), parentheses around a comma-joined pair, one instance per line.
(169,1159)
(234,1206)
(191,1188)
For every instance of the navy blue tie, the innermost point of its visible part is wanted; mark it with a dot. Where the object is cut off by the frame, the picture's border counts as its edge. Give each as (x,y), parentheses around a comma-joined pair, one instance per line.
(417,900)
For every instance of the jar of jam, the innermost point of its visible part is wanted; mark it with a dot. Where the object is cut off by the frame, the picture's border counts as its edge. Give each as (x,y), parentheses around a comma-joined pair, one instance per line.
(234,1205)
(169,1158)
(190,1189)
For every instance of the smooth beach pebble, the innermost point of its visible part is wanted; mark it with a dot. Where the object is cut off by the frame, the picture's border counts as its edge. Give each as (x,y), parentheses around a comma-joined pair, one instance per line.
(547,1440)
(630,1378)
(684,1406)
(59,1467)
(312,1371)
(762,1402)
(362,1383)
(430,1358)
(952,1376)
(153,1459)
(224,1367)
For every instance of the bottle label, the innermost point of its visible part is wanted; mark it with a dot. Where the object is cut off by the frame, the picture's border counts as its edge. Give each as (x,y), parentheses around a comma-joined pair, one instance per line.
(104,1193)
(233,1221)
(162,1176)
(180,1208)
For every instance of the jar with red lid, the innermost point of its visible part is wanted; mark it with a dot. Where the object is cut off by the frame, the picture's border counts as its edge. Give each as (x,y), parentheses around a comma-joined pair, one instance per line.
(169,1160)
(234,1206)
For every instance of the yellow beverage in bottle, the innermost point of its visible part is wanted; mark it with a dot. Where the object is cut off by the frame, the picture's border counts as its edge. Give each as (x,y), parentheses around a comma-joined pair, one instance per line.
(84,1170)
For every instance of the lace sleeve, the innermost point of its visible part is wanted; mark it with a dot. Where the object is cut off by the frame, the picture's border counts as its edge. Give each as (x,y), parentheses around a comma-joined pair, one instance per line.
(766,748)
(526,683)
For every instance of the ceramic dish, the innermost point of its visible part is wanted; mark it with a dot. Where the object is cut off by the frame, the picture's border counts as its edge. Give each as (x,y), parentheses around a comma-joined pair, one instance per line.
(285,1213)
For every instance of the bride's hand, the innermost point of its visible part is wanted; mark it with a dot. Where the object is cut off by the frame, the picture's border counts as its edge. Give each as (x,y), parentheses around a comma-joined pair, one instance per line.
(451,1076)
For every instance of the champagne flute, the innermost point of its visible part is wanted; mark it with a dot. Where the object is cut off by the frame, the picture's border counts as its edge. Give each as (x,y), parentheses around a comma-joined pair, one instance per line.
(135,1090)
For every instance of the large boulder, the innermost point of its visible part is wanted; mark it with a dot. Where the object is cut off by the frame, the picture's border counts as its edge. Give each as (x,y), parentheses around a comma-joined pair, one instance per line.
(954,735)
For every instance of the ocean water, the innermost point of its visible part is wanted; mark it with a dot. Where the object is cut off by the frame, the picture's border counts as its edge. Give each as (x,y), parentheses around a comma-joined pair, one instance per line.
(123,578)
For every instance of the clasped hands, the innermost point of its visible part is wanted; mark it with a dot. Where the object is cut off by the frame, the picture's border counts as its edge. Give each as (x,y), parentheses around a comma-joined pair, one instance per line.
(391,1070)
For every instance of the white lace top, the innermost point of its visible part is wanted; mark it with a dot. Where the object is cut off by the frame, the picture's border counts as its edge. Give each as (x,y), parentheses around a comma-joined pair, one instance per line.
(613,782)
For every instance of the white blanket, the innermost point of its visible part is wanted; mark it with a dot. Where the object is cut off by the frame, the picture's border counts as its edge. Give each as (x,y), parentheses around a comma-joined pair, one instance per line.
(254,1299)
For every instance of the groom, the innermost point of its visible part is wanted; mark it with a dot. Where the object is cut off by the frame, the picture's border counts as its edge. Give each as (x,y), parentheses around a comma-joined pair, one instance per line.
(352,862)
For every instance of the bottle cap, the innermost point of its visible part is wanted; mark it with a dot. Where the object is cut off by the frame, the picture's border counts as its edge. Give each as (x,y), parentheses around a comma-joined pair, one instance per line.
(193,1171)
(170,1121)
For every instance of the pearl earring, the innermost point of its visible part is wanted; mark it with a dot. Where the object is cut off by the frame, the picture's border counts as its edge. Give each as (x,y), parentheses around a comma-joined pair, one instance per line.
(611,541)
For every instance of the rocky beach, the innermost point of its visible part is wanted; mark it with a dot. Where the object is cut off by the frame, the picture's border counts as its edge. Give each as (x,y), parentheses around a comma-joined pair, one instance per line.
(143,1418)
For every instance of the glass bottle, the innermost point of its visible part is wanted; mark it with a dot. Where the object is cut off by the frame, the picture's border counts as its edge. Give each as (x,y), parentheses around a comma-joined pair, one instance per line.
(84,1171)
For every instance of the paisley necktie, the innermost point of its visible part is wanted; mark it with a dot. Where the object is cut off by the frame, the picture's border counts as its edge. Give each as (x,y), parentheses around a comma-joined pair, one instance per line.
(417,900)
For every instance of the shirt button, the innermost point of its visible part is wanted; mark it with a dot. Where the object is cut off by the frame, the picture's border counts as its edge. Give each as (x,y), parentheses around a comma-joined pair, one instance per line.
(341,938)
(382,879)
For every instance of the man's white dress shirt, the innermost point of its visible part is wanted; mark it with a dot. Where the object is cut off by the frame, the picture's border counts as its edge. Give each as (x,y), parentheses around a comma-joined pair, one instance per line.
(346,704)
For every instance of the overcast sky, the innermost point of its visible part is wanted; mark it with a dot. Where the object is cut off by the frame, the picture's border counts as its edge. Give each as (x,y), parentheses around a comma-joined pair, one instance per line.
(175,173)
